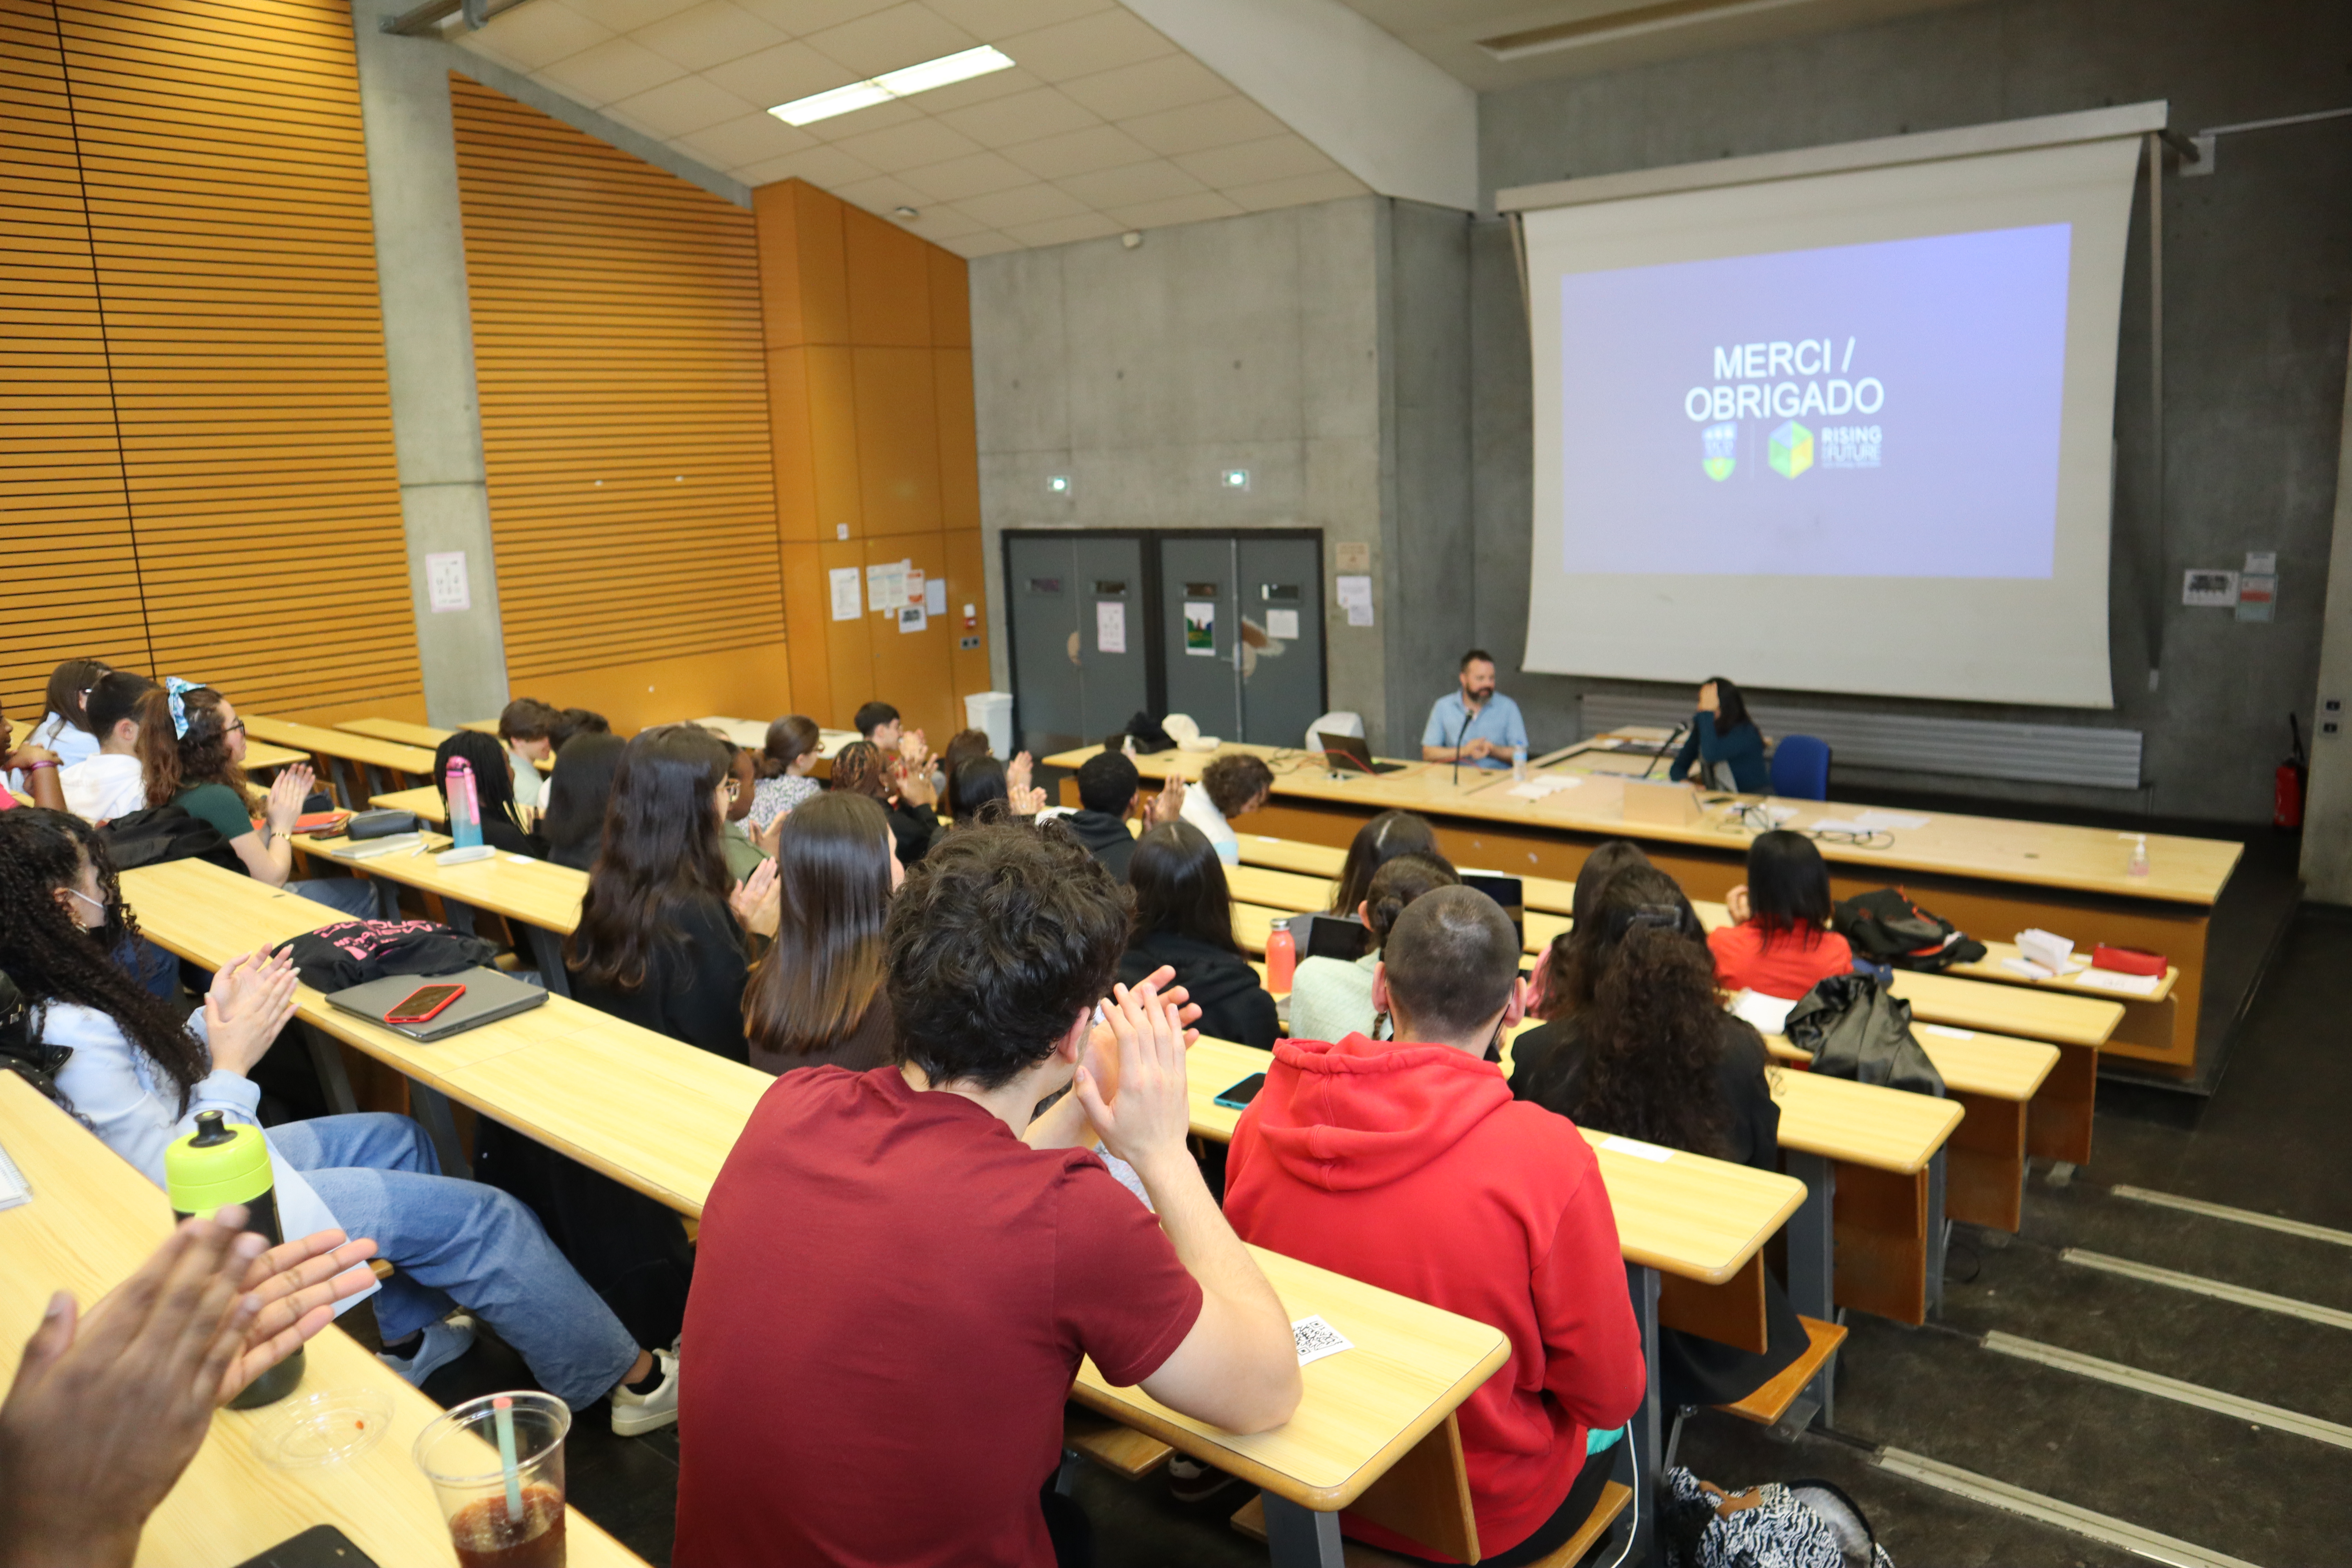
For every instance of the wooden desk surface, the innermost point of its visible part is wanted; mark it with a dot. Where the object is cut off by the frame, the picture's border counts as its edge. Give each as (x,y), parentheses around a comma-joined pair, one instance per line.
(1993,1065)
(318,740)
(753,734)
(537,892)
(92,1221)
(425,800)
(260,756)
(2035,1013)
(399,730)
(2084,859)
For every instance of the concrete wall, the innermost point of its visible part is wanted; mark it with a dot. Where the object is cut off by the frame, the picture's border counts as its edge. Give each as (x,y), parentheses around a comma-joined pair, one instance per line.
(2257,259)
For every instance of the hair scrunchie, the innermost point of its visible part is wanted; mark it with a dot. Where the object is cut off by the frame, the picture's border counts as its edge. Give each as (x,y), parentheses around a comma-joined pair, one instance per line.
(174,687)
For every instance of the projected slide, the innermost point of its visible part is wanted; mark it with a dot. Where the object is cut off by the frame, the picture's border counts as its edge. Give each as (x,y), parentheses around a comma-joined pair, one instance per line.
(1883,410)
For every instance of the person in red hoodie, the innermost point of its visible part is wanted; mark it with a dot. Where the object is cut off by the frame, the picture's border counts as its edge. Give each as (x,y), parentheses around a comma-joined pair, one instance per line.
(1407,1164)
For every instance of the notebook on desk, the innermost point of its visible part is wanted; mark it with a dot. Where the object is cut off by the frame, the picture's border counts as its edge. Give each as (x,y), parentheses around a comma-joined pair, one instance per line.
(490,996)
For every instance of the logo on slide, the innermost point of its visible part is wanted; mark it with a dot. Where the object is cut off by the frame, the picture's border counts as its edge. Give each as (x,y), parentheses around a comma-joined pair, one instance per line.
(1792,451)
(1722,450)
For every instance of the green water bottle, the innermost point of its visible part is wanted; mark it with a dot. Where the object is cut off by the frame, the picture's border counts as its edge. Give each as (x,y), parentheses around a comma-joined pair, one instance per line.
(212,1167)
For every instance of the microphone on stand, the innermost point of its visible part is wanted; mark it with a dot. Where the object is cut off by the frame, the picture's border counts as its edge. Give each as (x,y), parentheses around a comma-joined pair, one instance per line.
(1458,734)
(1669,746)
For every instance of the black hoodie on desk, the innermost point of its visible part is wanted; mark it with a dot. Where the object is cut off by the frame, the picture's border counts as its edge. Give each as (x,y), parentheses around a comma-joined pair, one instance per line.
(1234,1005)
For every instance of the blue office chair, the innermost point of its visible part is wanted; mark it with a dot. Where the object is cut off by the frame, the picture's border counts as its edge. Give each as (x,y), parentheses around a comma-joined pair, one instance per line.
(1800,768)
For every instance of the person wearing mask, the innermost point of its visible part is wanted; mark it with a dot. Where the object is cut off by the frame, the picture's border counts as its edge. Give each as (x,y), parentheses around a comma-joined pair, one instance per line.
(1407,1164)
(1473,723)
(1724,747)
(192,749)
(918,1229)
(530,730)
(1332,998)
(1636,1042)
(1110,792)
(1376,843)
(1230,786)
(495,779)
(35,769)
(139,1076)
(790,755)
(815,998)
(862,768)
(1780,943)
(111,783)
(1184,922)
(578,792)
(63,729)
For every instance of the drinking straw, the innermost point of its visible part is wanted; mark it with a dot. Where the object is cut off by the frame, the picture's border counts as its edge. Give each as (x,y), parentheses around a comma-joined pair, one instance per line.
(504,1407)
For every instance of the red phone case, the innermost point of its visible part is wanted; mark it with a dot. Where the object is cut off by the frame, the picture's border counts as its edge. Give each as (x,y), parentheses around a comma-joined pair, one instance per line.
(397,1016)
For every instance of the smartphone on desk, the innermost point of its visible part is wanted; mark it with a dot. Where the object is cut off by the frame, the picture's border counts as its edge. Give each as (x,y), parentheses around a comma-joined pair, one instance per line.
(1238,1096)
(424,1003)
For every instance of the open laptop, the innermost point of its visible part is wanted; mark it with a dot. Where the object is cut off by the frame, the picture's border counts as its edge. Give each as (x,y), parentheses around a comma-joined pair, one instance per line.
(1507,890)
(490,996)
(1347,753)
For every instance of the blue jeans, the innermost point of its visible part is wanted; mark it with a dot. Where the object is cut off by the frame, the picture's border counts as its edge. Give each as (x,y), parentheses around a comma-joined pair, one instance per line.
(354,896)
(458,1242)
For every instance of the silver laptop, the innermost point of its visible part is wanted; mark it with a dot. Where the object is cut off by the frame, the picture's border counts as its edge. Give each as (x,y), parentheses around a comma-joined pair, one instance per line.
(490,995)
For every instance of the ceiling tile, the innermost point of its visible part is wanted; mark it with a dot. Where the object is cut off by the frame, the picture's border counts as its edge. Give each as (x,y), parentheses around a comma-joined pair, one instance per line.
(941,224)
(541,34)
(709,34)
(1023,204)
(1298,191)
(920,142)
(987,242)
(682,107)
(776,75)
(1155,180)
(992,20)
(1078,153)
(996,84)
(1220,123)
(902,36)
(1254,162)
(628,15)
(747,139)
(823,167)
(859,122)
(801,17)
(973,176)
(1169,82)
(473,44)
(880,194)
(1094,42)
(612,70)
(1024,117)
(1176,209)
(1064,230)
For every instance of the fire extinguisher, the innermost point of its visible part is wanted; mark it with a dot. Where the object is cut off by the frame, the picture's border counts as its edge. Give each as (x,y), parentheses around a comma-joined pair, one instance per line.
(2286,806)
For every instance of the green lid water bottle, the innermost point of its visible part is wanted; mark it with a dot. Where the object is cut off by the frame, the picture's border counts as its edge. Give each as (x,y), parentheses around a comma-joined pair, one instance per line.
(217,1165)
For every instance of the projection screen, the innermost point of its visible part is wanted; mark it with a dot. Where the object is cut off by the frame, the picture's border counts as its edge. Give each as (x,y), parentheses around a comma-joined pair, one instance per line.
(1841,431)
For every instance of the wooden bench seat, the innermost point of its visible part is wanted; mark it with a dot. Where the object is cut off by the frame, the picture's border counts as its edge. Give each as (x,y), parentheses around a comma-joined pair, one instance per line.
(1770,1403)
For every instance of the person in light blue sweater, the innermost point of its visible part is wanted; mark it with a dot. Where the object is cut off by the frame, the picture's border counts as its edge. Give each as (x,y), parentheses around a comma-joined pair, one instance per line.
(1725,743)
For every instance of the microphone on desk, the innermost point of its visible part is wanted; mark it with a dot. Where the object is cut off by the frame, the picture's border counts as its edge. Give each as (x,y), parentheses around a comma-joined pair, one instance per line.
(1458,735)
(1669,746)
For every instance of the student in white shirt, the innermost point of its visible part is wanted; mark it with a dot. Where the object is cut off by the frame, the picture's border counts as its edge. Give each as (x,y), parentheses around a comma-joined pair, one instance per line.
(112,783)
(63,729)
(1332,998)
(1231,786)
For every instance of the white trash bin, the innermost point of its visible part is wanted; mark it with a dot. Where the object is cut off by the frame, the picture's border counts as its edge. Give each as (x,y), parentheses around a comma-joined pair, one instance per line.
(992,712)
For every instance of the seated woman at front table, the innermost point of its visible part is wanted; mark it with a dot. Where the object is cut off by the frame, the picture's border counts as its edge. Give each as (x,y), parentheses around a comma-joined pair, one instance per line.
(1637,1043)
(494,790)
(1332,998)
(1724,744)
(816,999)
(138,1076)
(1184,920)
(192,745)
(1779,943)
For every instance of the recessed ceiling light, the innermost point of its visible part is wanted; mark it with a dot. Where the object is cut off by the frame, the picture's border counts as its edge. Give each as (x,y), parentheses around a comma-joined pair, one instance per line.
(907,211)
(904,82)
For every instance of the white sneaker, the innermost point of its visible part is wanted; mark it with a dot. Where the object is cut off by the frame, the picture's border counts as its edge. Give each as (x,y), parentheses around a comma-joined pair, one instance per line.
(444,1342)
(636,1414)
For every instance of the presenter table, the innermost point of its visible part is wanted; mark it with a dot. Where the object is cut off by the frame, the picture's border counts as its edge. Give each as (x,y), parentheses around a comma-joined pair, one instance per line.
(1992,877)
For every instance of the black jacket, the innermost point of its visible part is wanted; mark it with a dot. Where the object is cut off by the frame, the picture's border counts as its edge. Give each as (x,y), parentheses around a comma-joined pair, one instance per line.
(1107,835)
(693,991)
(1234,1005)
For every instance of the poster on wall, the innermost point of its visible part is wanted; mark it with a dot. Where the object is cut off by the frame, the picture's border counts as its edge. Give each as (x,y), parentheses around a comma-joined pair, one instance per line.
(1111,625)
(1199,628)
(844,580)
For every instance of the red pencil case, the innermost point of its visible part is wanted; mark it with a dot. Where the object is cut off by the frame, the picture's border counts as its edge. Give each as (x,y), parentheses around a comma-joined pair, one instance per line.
(2127,959)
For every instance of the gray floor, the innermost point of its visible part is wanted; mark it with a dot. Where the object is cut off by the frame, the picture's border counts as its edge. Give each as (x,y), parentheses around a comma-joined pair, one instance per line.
(2271,1140)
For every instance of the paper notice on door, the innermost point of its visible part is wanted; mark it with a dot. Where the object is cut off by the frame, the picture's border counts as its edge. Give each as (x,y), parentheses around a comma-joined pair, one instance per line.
(886,586)
(1199,628)
(1111,625)
(843,579)
(1356,598)
(935,597)
(1282,624)
(912,584)
(911,618)
(1360,615)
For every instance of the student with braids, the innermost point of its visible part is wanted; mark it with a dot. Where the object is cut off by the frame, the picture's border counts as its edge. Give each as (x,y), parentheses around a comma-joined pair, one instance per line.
(862,768)
(138,1076)
(1332,998)
(192,748)
(494,790)
(1637,1043)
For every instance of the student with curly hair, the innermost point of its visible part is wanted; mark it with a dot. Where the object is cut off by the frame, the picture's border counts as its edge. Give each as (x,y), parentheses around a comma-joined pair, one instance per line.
(1230,786)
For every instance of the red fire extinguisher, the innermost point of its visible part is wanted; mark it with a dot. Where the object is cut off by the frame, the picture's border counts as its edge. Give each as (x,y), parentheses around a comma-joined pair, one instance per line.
(2286,806)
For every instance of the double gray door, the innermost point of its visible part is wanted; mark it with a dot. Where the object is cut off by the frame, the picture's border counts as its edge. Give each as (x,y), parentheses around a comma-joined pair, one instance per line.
(1078,638)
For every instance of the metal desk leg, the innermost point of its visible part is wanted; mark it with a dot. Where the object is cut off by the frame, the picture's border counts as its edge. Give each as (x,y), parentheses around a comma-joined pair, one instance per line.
(387,897)
(328,1058)
(1641,1284)
(1812,1264)
(431,1108)
(1939,1234)
(547,948)
(1298,1537)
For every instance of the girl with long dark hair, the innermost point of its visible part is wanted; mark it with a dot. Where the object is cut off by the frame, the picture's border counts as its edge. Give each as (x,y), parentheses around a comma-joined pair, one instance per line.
(1184,919)
(1636,1042)
(816,998)
(578,792)
(139,1077)
(64,730)
(1780,943)
(1724,743)
(1378,842)
(494,790)
(1332,998)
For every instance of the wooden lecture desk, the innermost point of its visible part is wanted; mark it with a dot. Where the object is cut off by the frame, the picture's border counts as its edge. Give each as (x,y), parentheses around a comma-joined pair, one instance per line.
(538,896)
(399,730)
(753,735)
(375,764)
(261,757)
(425,800)
(1992,877)
(91,1222)
(1692,1231)
(660,1116)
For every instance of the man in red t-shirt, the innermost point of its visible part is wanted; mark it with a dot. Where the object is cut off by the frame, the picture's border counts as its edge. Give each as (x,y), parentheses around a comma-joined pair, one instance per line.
(1407,1164)
(899,1271)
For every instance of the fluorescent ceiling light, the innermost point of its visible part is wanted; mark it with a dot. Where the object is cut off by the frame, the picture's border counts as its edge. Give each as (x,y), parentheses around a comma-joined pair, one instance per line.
(904,82)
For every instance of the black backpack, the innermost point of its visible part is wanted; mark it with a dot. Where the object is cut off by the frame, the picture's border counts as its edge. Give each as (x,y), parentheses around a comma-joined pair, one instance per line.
(20,1052)
(1885,927)
(165,832)
(1857,1031)
(353,953)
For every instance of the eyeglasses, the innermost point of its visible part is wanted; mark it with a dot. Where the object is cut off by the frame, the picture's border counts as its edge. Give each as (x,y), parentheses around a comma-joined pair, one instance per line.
(236,729)
(734,788)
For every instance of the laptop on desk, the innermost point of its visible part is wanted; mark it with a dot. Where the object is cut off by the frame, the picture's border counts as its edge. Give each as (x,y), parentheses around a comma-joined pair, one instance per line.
(1350,754)
(490,995)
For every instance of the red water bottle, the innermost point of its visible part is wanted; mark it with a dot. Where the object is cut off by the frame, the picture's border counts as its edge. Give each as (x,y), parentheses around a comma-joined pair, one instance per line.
(1281,958)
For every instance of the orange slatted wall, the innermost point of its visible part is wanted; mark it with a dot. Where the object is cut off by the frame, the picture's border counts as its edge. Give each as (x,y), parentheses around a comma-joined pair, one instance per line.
(625,419)
(196,465)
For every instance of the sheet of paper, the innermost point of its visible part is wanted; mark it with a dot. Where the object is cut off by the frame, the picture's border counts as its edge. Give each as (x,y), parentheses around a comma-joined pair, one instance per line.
(1639,1150)
(886,586)
(1354,590)
(1768,1014)
(1543,788)
(1111,625)
(912,583)
(911,618)
(1837,825)
(1199,628)
(935,597)
(1282,624)
(1948,1032)
(2028,968)
(1360,615)
(14,1189)
(1317,1338)
(1890,821)
(2117,980)
(844,580)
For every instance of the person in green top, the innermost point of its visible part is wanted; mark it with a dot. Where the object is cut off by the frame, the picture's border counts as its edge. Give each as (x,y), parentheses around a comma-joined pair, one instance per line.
(745,848)
(192,751)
